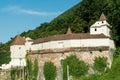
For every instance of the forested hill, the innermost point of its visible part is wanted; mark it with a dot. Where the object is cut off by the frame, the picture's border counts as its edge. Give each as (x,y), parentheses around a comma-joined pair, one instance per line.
(79,18)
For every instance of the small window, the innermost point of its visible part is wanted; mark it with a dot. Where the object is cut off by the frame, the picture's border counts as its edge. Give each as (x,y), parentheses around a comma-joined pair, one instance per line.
(90,52)
(100,50)
(95,29)
(19,47)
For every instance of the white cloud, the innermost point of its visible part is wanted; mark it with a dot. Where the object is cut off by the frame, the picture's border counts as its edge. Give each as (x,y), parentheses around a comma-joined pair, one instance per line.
(17,9)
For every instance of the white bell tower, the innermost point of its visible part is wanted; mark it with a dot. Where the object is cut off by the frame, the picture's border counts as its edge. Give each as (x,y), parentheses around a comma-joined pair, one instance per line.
(18,52)
(101,27)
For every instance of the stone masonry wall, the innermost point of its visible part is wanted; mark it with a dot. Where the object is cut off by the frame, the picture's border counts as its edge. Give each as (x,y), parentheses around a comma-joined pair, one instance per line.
(88,57)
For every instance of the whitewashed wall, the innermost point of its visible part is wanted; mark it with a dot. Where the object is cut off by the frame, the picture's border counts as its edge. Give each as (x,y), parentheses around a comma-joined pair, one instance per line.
(52,45)
(18,62)
(99,30)
(90,42)
(18,51)
(101,27)
(72,43)
(112,44)
(28,45)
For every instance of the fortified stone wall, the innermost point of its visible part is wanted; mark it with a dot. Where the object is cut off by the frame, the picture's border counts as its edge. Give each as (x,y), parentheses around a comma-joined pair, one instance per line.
(88,57)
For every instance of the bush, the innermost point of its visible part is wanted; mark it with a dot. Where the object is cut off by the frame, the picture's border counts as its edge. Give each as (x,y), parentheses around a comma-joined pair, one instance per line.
(114,72)
(31,69)
(49,71)
(16,73)
(100,63)
(4,57)
(117,52)
(77,68)
(35,69)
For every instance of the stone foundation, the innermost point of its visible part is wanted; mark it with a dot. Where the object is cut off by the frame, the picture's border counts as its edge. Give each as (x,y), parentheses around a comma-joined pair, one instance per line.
(87,56)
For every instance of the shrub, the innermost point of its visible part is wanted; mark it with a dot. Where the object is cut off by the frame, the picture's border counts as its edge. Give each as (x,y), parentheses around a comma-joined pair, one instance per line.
(4,57)
(35,69)
(100,63)
(49,71)
(77,68)
(117,52)
(31,69)
(16,73)
(114,72)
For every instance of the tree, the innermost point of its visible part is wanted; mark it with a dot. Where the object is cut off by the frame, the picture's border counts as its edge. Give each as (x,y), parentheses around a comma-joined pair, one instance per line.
(29,68)
(35,70)
(12,73)
(100,63)
(16,73)
(117,52)
(77,68)
(49,71)
(4,57)
(64,66)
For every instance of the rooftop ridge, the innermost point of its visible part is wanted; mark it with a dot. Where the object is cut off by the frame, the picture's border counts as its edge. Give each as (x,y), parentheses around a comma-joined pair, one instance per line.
(66,37)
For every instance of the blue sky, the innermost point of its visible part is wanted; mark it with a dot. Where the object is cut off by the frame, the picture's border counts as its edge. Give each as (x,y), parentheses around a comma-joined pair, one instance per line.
(17,16)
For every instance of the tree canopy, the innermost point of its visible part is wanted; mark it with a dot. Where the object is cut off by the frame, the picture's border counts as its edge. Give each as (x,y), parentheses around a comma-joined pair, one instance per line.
(80,18)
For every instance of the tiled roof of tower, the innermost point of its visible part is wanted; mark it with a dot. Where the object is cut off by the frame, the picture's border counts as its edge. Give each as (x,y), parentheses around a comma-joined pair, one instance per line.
(19,41)
(67,37)
(69,31)
(102,17)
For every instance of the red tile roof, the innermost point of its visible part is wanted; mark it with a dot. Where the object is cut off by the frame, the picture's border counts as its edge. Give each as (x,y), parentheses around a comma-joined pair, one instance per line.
(67,37)
(19,41)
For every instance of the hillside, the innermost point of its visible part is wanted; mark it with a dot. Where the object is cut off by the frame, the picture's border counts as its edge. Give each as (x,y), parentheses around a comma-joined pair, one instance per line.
(79,18)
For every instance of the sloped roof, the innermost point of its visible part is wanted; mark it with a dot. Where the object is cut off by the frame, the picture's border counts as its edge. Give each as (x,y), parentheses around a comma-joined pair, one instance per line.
(19,41)
(69,31)
(67,37)
(102,17)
